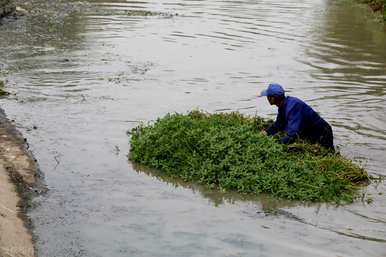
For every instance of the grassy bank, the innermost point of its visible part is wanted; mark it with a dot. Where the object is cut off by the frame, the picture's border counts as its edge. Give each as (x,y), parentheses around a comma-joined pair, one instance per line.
(228,152)
(378,6)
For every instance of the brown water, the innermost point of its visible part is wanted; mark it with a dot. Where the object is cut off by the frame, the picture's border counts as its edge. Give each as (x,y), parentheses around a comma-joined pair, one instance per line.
(85,72)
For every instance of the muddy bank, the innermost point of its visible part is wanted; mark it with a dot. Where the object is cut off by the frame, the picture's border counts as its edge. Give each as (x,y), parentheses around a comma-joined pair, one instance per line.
(18,183)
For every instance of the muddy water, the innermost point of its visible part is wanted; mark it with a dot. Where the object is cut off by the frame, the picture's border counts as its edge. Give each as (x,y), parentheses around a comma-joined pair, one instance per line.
(83,73)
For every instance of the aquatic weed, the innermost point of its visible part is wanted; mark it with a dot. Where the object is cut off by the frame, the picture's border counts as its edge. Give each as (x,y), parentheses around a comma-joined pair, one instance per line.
(227,151)
(2,91)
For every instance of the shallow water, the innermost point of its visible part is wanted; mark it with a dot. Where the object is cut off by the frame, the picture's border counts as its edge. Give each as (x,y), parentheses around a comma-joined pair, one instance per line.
(84,73)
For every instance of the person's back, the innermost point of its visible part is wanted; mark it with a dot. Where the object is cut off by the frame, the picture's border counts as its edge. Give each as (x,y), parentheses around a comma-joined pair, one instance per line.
(301,119)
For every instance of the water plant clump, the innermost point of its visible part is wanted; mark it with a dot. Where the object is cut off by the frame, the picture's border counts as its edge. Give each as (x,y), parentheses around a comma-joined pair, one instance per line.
(2,91)
(228,152)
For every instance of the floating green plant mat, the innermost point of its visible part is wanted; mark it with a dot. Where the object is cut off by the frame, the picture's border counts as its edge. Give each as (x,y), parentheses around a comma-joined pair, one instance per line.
(227,151)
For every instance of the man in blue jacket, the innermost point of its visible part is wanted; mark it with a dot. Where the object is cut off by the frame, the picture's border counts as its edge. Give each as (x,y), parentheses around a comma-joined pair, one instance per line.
(297,119)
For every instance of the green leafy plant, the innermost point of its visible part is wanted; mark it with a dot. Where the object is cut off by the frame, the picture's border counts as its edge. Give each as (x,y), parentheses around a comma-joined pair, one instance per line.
(228,152)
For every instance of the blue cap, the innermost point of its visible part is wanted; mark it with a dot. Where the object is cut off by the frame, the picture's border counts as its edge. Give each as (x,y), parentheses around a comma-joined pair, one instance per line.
(274,89)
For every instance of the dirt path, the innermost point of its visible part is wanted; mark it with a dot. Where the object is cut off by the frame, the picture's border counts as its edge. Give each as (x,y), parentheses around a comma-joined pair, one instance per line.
(18,176)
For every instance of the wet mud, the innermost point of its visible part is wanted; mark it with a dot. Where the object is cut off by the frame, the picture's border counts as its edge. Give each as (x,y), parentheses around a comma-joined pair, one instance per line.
(18,166)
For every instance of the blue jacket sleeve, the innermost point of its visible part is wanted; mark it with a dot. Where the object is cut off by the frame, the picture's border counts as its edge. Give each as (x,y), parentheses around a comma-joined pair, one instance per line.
(293,124)
(276,126)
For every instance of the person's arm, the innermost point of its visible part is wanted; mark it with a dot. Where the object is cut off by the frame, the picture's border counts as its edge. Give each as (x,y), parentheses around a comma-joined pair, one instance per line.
(276,126)
(293,124)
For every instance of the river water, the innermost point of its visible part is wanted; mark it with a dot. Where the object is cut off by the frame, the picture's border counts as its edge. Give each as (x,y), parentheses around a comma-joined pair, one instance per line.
(83,73)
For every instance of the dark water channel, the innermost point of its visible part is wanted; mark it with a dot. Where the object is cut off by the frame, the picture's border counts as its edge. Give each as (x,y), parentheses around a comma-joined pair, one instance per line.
(84,73)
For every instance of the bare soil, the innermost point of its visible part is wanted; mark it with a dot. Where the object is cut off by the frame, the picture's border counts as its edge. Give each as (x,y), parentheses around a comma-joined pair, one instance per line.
(18,180)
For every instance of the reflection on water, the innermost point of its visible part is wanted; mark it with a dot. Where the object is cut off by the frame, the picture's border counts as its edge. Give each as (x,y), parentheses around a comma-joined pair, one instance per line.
(86,72)
(216,197)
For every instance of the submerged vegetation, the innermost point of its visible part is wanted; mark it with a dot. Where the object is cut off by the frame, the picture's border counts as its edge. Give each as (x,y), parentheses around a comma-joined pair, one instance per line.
(228,152)
(148,13)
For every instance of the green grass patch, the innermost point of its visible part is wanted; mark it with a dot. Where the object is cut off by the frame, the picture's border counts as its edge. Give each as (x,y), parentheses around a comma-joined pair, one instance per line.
(228,152)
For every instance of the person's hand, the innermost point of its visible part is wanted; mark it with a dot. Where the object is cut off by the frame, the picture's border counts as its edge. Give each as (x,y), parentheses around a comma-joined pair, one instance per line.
(263,132)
